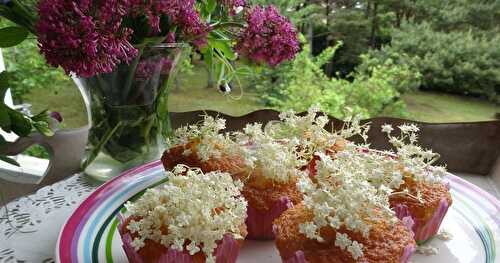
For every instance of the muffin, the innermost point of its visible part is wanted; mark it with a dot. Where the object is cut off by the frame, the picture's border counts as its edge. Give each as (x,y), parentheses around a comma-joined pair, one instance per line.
(270,179)
(193,217)
(267,167)
(420,193)
(425,204)
(386,243)
(204,146)
(343,219)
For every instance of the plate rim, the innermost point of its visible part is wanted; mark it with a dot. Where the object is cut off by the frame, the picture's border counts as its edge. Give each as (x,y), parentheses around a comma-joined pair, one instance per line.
(130,172)
(155,164)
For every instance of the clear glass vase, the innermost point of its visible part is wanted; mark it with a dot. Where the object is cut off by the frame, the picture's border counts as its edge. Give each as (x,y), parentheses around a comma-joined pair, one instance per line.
(128,111)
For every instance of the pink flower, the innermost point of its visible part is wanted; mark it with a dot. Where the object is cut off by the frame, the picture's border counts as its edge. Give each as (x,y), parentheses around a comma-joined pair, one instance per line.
(268,38)
(182,14)
(148,68)
(82,38)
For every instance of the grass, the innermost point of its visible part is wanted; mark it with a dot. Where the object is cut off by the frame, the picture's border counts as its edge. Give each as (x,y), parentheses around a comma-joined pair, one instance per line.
(194,95)
(439,107)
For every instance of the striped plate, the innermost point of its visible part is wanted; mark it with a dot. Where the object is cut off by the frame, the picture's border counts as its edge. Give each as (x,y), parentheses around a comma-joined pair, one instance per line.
(90,234)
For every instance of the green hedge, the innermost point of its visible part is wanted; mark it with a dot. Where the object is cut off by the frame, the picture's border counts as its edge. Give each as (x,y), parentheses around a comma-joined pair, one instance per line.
(454,62)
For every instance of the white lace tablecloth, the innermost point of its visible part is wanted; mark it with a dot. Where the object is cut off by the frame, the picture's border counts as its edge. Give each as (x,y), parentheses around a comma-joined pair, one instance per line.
(29,226)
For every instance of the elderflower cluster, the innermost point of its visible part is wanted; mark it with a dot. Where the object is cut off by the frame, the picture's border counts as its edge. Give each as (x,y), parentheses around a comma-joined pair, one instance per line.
(309,130)
(415,160)
(211,141)
(197,210)
(276,159)
(342,197)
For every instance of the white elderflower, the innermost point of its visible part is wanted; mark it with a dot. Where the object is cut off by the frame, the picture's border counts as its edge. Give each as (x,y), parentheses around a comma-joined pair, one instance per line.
(307,131)
(195,207)
(387,128)
(415,160)
(276,159)
(356,249)
(211,141)
(341,196)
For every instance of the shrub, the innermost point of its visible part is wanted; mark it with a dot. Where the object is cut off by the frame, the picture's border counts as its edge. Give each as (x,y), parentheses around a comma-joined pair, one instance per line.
(375,89)
(455,62)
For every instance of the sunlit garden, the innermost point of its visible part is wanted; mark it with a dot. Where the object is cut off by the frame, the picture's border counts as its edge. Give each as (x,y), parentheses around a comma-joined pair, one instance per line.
(432,61)
(250,131)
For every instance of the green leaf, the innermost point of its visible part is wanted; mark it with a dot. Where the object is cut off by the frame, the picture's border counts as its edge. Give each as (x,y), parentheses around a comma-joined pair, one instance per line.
(223,46)
(20,124)
(4,118)
(4,83)
(42,116)
(9,160)
(208,56)
(211,5)
(43,128)
(12,36)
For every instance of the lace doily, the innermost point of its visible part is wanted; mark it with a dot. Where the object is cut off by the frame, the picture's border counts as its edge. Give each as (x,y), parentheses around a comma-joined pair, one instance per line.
(29,226)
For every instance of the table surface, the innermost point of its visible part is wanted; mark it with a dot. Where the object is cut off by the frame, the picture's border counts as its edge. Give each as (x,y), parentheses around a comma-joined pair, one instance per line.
(29,226)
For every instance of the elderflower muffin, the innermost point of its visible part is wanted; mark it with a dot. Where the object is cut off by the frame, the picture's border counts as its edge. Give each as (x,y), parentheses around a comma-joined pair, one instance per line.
(269,178)
(343,219)
(205,146)
(417,192)
(193,217)
(420,193)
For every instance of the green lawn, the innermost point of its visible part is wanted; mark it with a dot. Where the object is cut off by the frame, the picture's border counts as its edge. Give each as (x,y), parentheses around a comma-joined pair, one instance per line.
(192,95)
(439,107)
(422,106)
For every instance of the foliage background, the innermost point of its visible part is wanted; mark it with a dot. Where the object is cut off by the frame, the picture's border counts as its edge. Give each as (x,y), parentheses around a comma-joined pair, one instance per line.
(369,56)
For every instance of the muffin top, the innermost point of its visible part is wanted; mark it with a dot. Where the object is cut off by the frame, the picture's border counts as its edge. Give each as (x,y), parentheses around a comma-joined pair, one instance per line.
(340,198)
(206,137)
(307,131)
(385,242)
(269,160)
(192,211)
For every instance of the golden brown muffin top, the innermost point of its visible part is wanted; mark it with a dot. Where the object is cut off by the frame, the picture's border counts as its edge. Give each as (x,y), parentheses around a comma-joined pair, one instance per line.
(262,193)
(385,243)
(423,197)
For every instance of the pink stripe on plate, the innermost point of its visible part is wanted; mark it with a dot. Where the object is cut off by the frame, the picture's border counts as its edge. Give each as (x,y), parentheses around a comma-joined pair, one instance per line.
(68,238)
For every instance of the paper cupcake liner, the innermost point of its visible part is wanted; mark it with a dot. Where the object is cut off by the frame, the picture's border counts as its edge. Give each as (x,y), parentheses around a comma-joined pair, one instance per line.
(299,256)
(226,252)
(407,253)
(423,230)
(260,223)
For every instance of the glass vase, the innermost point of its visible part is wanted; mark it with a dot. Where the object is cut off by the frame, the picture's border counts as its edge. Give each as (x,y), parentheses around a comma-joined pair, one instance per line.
(128,111)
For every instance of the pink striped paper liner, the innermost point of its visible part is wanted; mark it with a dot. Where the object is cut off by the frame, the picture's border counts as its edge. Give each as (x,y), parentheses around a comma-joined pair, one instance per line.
(226,252)
(298,257)
(260,223)
(407,253)
(423,230)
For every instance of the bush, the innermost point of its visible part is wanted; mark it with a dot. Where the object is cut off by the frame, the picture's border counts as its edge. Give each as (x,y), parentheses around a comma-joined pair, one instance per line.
(455,62)
(375,89)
